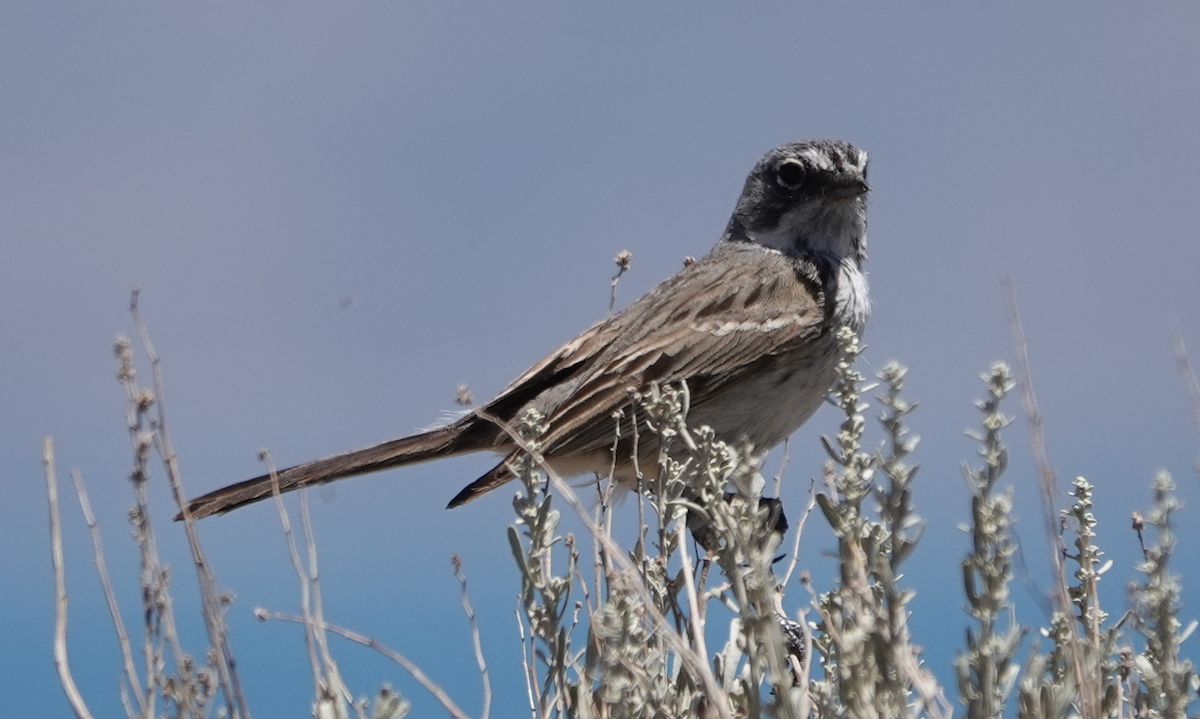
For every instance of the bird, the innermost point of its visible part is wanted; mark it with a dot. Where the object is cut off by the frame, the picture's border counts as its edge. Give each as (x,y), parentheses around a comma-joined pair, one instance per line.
(750,328)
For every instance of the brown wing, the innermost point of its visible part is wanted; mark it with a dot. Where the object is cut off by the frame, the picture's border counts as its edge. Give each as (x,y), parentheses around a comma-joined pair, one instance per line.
(709,324)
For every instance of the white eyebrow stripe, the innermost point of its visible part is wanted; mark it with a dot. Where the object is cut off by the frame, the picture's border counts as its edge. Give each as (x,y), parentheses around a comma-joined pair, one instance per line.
(817,158)
(820,159)
(860,159)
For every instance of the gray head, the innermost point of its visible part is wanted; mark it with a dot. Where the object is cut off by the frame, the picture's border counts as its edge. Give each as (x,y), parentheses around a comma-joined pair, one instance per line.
(804,198)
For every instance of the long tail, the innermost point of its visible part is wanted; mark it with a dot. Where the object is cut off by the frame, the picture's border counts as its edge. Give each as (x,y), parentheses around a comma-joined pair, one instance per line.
(442,442)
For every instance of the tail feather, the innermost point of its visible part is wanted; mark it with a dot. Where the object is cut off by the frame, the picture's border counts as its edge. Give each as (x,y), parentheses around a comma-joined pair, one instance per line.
(495,477)
(443,442)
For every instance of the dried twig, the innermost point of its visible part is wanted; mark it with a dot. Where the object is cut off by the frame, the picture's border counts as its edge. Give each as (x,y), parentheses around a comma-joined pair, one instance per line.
(689,583)
(423,679)
(812,502)
(60,588)
(527,661)
(211,602)
(1088,685)
(1189,378)
(131,674)
(483,672)
(783,463)
(1037,439)
(332,675)
(158,610)
(297,566)
(622,260)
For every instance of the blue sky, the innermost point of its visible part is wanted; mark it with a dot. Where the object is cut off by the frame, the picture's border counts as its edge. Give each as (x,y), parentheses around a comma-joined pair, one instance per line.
(465,175)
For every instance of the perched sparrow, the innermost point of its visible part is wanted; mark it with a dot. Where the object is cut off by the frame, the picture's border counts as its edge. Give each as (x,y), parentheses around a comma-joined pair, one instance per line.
(749,327)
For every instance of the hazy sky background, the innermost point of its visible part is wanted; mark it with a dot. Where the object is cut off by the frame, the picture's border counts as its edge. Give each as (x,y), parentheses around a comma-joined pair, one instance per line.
(461,176)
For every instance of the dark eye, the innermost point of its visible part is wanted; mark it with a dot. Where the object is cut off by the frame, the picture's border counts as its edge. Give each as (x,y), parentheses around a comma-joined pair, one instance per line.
(790,174)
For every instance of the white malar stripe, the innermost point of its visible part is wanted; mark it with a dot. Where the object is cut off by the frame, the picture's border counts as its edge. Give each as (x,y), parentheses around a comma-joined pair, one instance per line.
(853,304)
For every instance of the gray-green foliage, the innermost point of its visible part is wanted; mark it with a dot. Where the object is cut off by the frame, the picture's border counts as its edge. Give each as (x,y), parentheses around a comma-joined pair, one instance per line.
(649,606)
(615,632)
(1168,682)
(646,616)
(870,667)
(987,670)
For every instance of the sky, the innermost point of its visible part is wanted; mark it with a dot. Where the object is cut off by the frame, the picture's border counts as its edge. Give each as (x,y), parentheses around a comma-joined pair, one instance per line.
(337,212)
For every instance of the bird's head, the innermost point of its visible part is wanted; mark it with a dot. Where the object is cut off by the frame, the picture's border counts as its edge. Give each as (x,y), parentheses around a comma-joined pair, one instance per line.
(806,197)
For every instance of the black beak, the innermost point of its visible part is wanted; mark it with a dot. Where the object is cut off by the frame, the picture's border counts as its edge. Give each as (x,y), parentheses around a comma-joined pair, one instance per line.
(848,189)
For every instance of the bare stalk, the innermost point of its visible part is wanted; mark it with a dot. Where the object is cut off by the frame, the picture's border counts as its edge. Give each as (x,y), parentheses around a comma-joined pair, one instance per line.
(211,603)
(332,675)
(60,588)
(526,661)
(1189,377)
(812,502)
(131,673)
(689,583)
(305,587)
(622,260)
(415,671)
(478,644)
(783,463)
(1089,683)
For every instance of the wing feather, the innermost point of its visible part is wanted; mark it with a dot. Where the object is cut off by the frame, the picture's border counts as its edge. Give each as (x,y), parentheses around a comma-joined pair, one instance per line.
(708,324)
(728,321)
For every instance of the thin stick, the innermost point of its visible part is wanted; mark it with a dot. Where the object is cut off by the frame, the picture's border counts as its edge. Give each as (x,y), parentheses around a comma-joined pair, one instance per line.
(157,605)
(637,472)
(332,675)
(60,588)
(526,670)
(1189,377)
(131,673)
(1037,438)
(210,601)
(605,507)
(812,502)
(483,672)
(622,260)
(1088,690)
(782,466)
(805,666)
(689,583)
(298,567)
(437,692)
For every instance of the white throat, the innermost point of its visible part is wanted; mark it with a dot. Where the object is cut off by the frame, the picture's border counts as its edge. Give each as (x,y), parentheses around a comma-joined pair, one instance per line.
(831,229)
(853,304)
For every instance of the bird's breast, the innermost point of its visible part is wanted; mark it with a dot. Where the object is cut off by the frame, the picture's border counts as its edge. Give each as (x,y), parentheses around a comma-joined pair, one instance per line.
(769,405)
